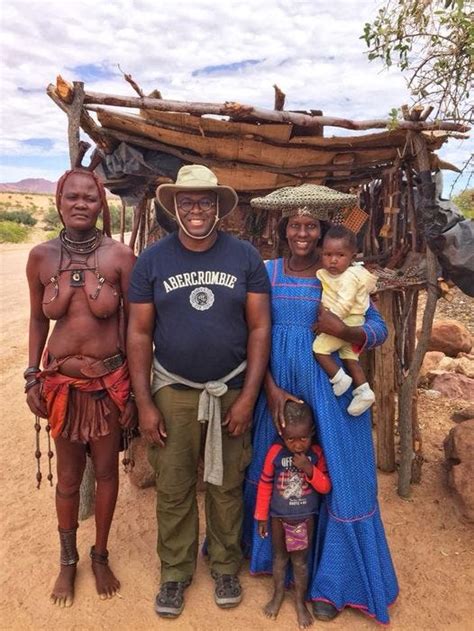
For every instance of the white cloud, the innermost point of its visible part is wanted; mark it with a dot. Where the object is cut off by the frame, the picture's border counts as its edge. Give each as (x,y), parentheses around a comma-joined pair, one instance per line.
(311,49)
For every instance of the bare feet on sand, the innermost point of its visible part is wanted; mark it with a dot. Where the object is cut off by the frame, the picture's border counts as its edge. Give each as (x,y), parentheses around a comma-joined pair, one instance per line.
(63,590)
(305,619)
(272,608)
(106,583)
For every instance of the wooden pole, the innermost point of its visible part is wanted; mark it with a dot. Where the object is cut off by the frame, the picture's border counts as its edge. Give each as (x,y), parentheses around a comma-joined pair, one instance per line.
(411,210)
(384,388)
(87,491)
(143,225)
(410,382)
(74,122)
(417,463)
(88,124)
(280,97)
(123,212)
(240,111)
(408,388)
(138,220)
(74,112)
(417,441)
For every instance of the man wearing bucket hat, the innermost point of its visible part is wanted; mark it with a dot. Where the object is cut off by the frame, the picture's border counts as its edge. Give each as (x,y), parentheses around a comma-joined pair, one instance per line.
(200,297)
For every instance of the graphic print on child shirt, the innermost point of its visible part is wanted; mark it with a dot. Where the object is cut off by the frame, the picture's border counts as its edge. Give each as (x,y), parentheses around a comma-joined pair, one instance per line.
(291,483)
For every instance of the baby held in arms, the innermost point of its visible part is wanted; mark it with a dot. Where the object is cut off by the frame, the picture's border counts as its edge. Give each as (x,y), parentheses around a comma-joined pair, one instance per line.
(346,290)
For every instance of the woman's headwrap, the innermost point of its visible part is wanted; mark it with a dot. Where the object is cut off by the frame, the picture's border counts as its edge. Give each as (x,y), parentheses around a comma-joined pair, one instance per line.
(312,200)
(100,188)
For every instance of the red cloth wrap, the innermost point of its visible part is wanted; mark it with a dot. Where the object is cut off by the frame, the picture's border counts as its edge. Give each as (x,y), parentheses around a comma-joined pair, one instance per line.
(56,389)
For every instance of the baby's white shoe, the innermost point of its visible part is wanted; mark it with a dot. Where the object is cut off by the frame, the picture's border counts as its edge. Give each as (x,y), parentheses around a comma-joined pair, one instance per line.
(363,397)
(341,382)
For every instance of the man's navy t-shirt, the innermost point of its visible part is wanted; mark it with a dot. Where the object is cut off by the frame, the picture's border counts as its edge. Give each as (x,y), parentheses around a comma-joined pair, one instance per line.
(199,297)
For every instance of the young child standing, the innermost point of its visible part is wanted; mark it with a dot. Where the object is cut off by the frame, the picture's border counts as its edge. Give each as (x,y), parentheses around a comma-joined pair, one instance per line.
(293,476)
(346,289)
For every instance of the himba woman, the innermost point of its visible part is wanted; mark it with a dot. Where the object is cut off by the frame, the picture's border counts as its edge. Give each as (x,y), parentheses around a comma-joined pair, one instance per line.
(80,280)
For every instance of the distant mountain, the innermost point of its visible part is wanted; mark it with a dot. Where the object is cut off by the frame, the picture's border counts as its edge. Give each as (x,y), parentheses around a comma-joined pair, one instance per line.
(30,185)
(37,185)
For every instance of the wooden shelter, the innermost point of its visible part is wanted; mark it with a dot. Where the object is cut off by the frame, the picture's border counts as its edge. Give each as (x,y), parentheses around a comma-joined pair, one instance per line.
(144,140)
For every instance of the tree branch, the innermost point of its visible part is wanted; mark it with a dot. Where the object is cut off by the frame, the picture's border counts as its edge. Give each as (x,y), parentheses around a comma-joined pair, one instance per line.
(240,111)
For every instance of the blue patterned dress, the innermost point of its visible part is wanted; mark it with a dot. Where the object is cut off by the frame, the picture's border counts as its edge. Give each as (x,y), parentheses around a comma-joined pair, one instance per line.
(354,566)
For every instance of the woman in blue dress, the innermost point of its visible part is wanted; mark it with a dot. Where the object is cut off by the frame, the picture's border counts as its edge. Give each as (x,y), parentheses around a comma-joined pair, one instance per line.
(352,566)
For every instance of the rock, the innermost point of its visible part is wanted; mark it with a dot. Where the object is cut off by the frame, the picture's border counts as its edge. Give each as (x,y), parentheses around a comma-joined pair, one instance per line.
(430,362)
(459,453)
(432,394)
(468,355)
(142,475)
(428,381)
(463,415)
(464,366)
(453,385)
(447,364)
(450,337)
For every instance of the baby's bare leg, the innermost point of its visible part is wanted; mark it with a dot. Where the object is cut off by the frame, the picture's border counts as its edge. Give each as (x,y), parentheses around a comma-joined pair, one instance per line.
(280,561)
(355,370)
(327,363)
(340,381)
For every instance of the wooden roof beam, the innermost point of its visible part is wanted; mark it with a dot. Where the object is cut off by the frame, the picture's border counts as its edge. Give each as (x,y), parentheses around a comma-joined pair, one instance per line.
(233,109)
(299,171)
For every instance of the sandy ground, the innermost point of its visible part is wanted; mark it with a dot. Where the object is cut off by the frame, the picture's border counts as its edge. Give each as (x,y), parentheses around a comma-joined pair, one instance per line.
(432,549)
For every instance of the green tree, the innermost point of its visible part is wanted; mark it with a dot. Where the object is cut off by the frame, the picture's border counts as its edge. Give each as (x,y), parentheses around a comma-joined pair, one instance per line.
(433,42)
(12,232)
(465,202)
(20,216)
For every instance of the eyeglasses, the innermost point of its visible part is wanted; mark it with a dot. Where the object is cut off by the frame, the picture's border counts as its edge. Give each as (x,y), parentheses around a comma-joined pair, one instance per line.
(187,205)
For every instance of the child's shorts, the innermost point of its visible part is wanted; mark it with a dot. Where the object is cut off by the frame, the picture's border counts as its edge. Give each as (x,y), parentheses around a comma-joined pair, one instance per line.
(326,344)
(296,534)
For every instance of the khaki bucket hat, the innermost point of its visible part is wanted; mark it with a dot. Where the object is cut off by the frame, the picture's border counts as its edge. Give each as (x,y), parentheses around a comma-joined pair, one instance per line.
(315,200)
(197,177)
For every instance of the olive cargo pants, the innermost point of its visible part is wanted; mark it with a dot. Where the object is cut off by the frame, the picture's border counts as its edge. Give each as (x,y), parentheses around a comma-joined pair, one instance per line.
(176,467)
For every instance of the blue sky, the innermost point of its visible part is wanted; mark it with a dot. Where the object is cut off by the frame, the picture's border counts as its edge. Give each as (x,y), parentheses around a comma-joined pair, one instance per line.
(196,50)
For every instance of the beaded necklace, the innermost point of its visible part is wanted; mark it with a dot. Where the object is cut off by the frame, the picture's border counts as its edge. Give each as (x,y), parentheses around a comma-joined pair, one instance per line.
(81,247)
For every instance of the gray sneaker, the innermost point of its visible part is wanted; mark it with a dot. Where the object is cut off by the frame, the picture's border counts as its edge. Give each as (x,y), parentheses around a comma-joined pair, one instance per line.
(169,602)
(228,592)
